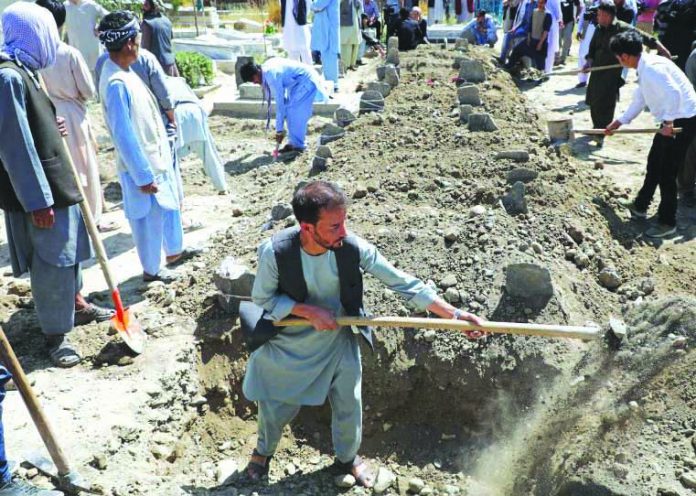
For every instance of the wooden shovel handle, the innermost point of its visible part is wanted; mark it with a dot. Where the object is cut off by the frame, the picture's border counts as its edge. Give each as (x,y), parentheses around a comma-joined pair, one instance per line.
(35,410)
(635,130)
(544,330)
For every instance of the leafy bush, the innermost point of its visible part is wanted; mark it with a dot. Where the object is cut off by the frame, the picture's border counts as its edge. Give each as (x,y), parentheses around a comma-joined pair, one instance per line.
(196,68)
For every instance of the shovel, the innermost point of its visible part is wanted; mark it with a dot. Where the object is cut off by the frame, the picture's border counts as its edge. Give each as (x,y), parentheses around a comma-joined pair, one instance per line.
(524,329)
(66,479)
(124,321)
(573,72)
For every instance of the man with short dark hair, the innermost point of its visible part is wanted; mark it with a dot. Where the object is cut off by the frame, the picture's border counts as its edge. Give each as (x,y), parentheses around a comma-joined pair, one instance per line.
(481,30)
(294,87)
(603,87)
(151,193)
(157,33)
(671,99)
(315,272)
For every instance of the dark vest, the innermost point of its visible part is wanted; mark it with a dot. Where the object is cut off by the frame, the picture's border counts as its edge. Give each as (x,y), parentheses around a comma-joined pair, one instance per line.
(41,115)
(301,14)
(287,250)
(161,39)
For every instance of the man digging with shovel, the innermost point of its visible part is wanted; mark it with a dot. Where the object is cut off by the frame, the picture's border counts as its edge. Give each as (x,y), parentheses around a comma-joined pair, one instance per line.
(315,272)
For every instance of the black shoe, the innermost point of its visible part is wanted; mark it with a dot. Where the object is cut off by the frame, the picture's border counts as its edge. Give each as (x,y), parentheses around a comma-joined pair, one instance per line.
(185,255)
(581,85)
(165,275)
(92,313)
(689,199)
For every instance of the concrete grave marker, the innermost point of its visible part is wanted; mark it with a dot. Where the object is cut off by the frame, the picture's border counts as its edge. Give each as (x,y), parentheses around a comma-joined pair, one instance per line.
(393,43)
(250,91)
(472,71)
(470,94)
(371,101)
(343,117)
(514,201)
(241,60)
(331,132)
(482,122)
(464,112)
(382,87)
(391,76)
(392,56)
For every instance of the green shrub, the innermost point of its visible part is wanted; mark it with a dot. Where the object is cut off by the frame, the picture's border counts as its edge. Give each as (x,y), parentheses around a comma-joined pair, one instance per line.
(196,68)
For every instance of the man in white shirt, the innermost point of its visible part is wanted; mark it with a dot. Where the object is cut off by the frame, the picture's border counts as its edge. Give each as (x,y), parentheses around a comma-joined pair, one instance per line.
(671,99)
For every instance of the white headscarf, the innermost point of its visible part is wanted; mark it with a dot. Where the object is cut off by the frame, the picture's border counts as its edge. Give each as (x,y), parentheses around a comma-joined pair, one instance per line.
(30,35)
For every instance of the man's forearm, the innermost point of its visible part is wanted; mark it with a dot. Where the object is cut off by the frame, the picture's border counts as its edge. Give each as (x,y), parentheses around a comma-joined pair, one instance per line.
(442,309)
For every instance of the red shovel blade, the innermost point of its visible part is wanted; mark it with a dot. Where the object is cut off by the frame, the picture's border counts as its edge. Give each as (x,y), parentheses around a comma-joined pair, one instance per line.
(127,325)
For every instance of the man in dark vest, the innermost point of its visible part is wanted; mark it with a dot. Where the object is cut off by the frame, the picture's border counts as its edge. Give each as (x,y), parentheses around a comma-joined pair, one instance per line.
(157,34)
(45,230)
(315,272)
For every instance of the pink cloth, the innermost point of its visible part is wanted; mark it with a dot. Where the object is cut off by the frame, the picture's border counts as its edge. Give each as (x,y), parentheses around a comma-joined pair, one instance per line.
(648,15)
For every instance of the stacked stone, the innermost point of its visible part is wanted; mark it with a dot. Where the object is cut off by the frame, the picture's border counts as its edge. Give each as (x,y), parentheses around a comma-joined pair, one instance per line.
(471,73)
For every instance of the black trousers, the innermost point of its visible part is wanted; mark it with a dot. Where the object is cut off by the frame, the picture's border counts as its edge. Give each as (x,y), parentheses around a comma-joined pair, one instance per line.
(602,111)
(665,159)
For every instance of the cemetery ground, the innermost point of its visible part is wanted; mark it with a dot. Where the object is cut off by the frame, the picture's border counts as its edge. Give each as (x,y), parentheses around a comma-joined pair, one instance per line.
(503,415)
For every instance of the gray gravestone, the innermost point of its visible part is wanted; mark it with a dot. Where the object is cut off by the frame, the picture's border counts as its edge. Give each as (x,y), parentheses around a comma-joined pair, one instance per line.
(371,101)
(382,87)
(241,60)
(472,71)
(469,94)
(482,122)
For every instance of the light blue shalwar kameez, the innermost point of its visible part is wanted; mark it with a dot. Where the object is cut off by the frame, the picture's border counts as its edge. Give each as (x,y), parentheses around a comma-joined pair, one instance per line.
(302,366)
(326,36)
(52,256)
(294,86)
(471,31)
(155,219)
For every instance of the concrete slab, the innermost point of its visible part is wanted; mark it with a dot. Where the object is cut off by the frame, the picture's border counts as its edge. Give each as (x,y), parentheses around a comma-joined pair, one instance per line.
(442,32)
(255,109)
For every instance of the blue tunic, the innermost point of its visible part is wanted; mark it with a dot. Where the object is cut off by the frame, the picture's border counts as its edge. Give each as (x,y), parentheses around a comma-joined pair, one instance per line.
(326,34)
(298,365)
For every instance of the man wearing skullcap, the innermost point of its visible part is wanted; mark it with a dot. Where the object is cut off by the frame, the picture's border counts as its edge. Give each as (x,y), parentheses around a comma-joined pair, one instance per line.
(45,229)
(151,193)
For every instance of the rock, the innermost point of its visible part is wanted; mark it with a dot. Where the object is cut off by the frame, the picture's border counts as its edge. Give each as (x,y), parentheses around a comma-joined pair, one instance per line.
(482,122)
(448,281)
(280,211)
(472,71)
(383,88)
(469,94)
(477,211)
(290,469)
(576,233)
(237,212)
(19,288)
(416,485)
(537,248)
(371,101)
(380,72)
(393,42)
(514,201)
(521,174)
(581,260)
(233,278)
(529,283)
(392,56)
(323,151)
(430,335)
(464,112)
(360,191)
(344,117)
(452,295)
(250,91)
(225,469)
(598,165)
(391,76)
(609,278)
(344,481)
(331,132)
(319,164)
(99,461)
(618,328)
(516,155)
(451,235)
(385,479)
(688,480)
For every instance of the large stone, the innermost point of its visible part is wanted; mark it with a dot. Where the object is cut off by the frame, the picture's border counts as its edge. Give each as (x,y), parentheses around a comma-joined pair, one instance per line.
(393,42)
(521,174)
(233,278)
(385,479)
(609,278)
(383,88)
(514,201)
(464,112)
(458,62)
(331,132)
(472,71)
(529,283)
(345,481)
(482,122)
(392,56)
(380,72)
(516,155)
(469,94)
(319,164)
(391,76)
(371,101)
(250,91)
(241,60)
(343,117)
(323,151)
(281,211)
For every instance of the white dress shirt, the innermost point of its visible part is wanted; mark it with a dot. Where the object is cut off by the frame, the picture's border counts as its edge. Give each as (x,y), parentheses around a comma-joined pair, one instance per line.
(664,88)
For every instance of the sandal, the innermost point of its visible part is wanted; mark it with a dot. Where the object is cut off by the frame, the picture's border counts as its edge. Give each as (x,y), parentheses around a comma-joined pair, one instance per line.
(62,353)
(255,471)
(185,255)
(358,469)
(92,313)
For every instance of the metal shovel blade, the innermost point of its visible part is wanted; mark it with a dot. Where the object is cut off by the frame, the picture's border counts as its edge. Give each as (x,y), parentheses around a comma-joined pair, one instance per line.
(71,483)
(130,330)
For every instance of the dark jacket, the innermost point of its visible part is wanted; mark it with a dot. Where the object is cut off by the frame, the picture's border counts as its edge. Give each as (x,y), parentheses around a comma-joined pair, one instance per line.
(48,142)
(410,35)
(157,37)
(301,14)
(348,8)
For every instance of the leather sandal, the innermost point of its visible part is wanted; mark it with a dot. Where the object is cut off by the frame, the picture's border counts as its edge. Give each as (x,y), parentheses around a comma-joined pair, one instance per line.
(255,471)
(63,354)
(359,469)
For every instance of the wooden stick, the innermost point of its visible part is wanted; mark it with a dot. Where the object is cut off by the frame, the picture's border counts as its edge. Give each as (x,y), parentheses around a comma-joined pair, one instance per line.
(635,130)
(573,72)
(33,405)
(548,331)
